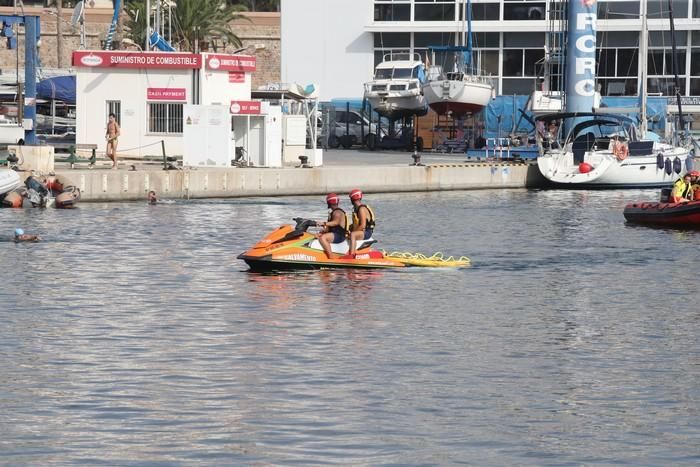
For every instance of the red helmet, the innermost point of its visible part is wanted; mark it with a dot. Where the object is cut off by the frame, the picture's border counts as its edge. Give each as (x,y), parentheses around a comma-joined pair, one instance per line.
(694,173)
(355,195)
(332,198)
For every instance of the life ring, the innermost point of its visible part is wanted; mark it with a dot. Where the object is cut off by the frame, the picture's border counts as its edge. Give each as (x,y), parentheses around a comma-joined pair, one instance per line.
(620,150)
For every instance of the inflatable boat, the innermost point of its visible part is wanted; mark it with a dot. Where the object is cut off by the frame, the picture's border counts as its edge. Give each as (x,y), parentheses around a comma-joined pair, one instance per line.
(685,214)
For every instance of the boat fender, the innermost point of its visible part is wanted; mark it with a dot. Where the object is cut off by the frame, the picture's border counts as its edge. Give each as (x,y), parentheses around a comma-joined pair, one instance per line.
(667,166)
(677,166)
(660,161)
(689,162)
(585,167)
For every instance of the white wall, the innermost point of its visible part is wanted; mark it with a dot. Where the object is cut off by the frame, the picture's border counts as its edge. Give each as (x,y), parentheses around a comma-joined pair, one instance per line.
(324,42)
(95,86)
(216,88)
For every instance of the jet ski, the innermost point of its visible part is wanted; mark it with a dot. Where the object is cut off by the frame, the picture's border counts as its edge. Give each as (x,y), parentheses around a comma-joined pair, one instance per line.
(293,248)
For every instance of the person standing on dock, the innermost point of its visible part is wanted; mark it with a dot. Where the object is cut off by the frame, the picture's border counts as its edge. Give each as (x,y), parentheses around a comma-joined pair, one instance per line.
(335,228)
(362,221)
(112,136)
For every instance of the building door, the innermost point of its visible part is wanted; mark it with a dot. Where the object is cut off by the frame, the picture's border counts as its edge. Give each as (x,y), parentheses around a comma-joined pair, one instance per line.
(257,140)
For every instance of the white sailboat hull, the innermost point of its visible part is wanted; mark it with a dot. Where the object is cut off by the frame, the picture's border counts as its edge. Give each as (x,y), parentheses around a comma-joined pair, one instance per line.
(9,180)
(459,97)
(609,172)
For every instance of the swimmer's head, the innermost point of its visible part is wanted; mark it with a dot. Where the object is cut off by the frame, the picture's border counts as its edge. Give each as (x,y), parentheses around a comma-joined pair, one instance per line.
(19,232)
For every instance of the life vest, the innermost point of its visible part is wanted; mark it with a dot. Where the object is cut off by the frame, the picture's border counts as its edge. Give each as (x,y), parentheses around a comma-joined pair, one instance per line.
(370,223)
(341,229)
(681,190)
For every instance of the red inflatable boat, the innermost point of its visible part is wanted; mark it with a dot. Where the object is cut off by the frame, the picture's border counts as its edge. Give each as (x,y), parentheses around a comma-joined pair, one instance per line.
(686,214)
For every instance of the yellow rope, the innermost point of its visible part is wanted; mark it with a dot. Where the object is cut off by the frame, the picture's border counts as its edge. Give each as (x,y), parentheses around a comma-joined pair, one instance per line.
(437,257)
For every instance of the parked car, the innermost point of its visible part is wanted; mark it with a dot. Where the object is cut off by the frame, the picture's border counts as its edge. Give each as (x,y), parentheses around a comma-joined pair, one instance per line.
(349,130)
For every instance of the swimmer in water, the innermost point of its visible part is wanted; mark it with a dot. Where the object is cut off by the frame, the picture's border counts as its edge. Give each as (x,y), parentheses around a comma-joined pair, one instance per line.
(20,236)
(152,198)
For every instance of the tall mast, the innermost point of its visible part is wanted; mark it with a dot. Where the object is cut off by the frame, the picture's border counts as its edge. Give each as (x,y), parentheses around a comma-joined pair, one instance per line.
(674,55)
(643,47)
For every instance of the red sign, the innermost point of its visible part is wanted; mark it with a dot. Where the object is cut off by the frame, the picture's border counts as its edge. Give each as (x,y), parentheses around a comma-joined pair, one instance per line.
(231,62)
(166,94)
(236,77)
(119,59)
(245,107)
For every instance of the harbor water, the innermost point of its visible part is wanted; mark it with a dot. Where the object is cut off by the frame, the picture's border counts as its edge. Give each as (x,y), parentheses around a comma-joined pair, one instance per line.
(131,335)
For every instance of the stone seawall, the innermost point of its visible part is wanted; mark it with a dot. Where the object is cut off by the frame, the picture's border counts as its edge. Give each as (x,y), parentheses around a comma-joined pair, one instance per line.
(113,185)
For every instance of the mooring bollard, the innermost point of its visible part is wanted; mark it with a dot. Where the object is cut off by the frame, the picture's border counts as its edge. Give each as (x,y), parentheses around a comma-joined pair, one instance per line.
(416,158)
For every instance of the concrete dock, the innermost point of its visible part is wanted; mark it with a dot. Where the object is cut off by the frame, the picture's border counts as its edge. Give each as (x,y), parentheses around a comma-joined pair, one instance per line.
(342,170)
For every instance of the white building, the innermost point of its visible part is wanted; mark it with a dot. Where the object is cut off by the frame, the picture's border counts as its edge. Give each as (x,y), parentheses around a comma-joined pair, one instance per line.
(147,91)
(337,43)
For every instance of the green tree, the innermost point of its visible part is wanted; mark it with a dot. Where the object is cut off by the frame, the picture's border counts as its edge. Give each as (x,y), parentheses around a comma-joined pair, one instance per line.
(193,21)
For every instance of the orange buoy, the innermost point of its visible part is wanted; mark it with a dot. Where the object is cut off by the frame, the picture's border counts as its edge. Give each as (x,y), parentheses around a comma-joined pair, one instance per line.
(13,200)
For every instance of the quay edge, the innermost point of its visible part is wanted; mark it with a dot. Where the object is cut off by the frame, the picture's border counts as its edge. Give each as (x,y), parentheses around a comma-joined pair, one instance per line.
(123,185)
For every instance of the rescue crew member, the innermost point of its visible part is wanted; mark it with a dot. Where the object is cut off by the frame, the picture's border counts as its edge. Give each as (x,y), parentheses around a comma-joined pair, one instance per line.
(682,189)
(335,228)
(362,221)
(695,184)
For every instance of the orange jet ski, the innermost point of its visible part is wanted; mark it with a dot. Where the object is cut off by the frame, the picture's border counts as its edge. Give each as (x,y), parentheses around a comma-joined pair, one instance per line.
(292,247)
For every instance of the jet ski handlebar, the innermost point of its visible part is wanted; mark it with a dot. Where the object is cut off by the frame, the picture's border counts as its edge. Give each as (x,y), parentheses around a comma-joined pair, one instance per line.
(303,224)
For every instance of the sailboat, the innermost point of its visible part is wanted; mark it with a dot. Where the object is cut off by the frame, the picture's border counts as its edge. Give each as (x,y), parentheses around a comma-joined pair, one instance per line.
(599,150)
(395,91)
(464,90)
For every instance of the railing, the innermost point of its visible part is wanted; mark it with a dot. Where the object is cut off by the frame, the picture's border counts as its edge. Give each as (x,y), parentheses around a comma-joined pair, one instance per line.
(498,145)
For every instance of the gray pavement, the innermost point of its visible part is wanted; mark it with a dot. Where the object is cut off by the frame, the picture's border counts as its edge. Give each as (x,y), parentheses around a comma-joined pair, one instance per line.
(344,157)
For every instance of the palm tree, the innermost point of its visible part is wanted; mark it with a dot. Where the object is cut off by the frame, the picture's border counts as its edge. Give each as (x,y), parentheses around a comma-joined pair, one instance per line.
(194,22)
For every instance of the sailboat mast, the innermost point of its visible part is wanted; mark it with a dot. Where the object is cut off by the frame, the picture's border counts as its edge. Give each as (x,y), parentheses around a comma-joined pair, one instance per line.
(674,54)
(643,52)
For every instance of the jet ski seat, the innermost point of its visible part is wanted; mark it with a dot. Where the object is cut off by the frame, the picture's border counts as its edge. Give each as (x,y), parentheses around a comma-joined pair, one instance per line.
(343,247)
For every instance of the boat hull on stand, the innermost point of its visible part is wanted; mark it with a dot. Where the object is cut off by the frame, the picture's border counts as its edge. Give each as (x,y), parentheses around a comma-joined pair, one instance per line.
(458,97)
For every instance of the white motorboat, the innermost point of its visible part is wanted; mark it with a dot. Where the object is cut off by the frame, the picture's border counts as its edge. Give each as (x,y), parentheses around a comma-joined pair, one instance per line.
(395,91)
(604,151)
(466,89)
(9,180)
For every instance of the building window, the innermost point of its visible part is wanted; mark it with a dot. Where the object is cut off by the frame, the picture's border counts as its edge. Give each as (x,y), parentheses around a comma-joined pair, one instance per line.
(486,11)
(523,11)
(388,40)
(696,12)
(164,118)
(114,107)
(659,9)
(434,10)
(522,51)
(618,10)
(392,10)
